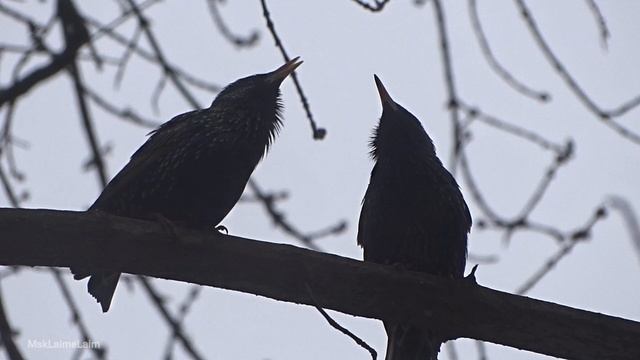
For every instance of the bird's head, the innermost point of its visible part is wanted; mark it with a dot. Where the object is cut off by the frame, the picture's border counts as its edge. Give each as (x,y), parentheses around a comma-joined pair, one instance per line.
(254,101)
(398,133)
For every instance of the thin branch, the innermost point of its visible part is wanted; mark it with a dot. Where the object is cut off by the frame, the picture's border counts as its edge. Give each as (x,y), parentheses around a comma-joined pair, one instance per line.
(630,218)
(8,189)
(621,130)
(535,198)
(184,308)
(239,41)
(7,334)
(474,189)
(500,70)
(546,268)
(160,57)
(378,5)
(109,31)
(318,133)
(604,115)
(476,114)
(76,318)
(342,329)
(482,350)
(124,60)
(7,142)
(450,347)
(88,126)
(572,239)
(279,219)
(601,22)
(73,39)
(175,326)
(450,86)
(126,113)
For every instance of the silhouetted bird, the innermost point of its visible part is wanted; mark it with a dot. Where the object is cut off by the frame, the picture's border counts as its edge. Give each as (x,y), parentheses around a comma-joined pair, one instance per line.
(413,216)
(194,168)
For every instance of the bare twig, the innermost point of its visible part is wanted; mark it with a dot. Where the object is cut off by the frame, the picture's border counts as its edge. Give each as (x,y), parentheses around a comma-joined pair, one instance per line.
(378,5)
(8,189)
(604,115)
(87,124)
(630,218)
(160,57)
(74,39)
(239,41)
(175,326)
(500,70)
(601,22)
(342,329)
(280,220)
(569,242)
(450,86)
(318,133)
(482,350)
(109,31)
(476,114)
(185,306)
(126,113)
(450,346)
(76,318)
(7,334)
(544,183)
(124,60)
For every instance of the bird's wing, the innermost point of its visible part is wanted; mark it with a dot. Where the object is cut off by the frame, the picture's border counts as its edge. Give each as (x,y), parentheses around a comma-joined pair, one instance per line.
(365,212)
(145,160)
(443,223)
(457,202)
(164,134)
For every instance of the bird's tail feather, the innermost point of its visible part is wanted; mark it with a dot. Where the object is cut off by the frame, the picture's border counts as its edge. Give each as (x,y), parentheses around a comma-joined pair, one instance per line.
(405,342)
(102,286)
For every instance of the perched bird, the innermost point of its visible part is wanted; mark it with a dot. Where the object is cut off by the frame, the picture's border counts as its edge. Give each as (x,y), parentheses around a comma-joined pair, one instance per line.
(193,168)
(413,215)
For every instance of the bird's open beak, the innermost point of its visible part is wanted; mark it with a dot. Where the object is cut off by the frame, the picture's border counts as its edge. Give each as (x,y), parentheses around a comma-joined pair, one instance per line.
(385,98)
(281,73)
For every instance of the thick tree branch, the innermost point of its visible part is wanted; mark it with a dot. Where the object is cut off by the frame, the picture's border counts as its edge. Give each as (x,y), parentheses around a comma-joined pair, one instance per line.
(286,273)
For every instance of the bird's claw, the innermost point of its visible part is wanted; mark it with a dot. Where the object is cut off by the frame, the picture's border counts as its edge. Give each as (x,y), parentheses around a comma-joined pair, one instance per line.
(222,228)
(471,278)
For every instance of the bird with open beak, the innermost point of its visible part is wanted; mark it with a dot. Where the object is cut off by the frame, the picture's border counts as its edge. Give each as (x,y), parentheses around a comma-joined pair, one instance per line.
(413,216)
(194,168)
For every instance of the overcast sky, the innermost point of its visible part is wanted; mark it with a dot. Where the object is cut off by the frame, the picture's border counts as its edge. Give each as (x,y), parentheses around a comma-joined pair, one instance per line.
(342,47)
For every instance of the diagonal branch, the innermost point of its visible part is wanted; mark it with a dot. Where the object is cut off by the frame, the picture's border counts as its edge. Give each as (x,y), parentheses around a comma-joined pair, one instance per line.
(175,325)
(6,336)
(457,308)
(604,115)
(318,132)
(495,65)
(74,40)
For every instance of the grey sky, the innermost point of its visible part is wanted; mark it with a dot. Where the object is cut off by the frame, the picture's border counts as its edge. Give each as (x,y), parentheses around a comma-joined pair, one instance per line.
(342,47)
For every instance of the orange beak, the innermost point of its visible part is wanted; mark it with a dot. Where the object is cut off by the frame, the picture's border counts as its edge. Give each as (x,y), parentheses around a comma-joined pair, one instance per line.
(385,98)
(281,73)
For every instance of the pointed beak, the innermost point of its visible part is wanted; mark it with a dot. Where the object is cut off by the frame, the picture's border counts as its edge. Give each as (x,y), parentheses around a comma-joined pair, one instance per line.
(281,73)
(385,98)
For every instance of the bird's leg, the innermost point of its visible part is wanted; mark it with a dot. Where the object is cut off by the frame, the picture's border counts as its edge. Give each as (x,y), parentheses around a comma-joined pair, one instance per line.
(222,228)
